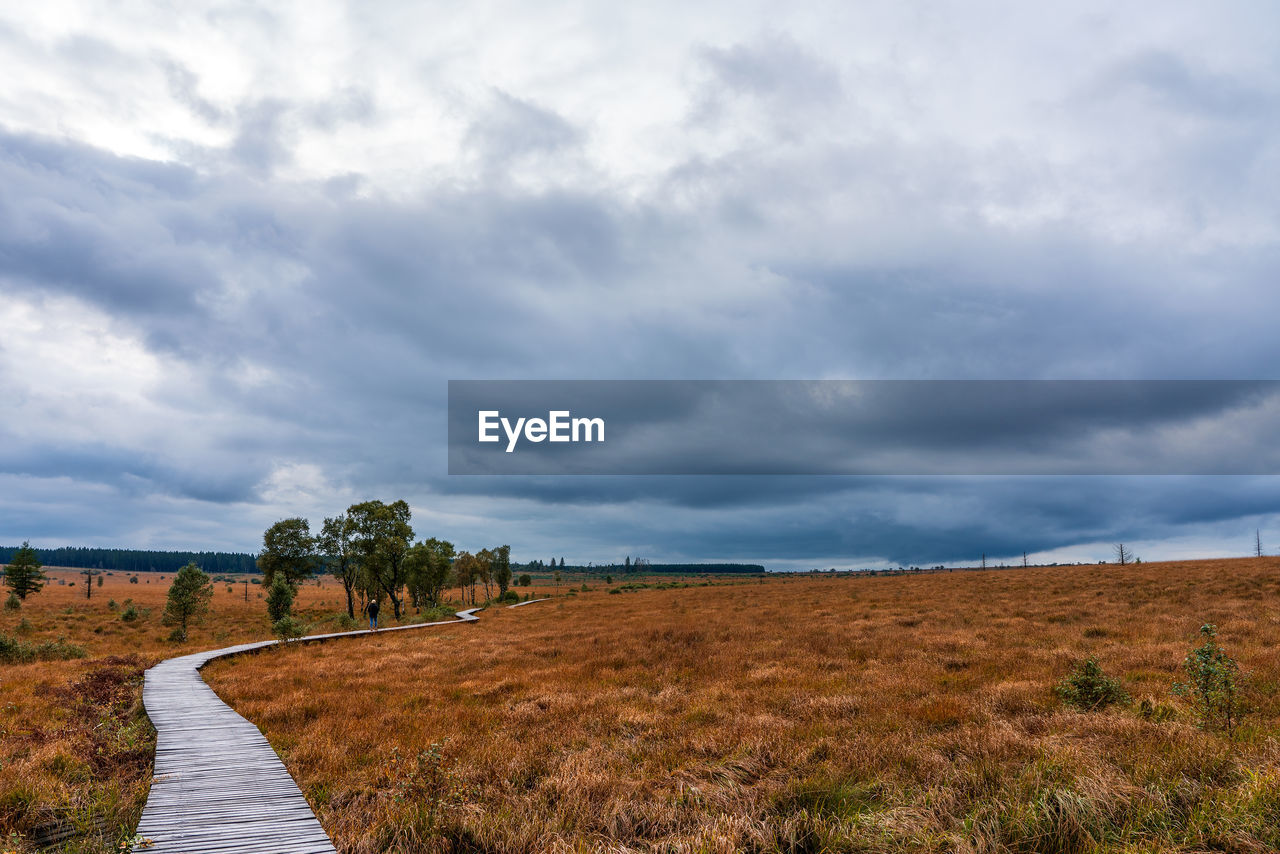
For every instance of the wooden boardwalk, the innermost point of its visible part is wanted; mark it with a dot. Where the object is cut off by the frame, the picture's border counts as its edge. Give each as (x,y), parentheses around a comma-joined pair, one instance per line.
(218,786)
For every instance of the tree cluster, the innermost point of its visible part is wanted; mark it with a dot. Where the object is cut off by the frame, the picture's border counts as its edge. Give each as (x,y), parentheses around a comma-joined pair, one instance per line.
(370,548)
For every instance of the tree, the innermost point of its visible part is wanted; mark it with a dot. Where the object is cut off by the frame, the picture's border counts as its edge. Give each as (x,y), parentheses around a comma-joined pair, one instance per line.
(189,598)
(336,543)
(279,599)
(288,549)
(484,570)
(1257,542)
(502,568)
(525,580)
(427,568)
(382,538)
(1123,555)
(464,568)
(24,575)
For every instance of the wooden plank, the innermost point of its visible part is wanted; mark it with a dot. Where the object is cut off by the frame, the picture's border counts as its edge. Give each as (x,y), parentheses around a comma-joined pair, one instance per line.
(218,787)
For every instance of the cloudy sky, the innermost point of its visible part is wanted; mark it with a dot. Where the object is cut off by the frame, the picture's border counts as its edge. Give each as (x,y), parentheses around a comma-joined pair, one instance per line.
(243,248)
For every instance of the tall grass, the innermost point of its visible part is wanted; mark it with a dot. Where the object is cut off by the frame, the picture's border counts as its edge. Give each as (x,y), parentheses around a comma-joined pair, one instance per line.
(896,714)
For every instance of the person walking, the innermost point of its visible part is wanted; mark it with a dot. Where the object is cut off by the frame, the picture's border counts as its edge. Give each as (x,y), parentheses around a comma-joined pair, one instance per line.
(372,609)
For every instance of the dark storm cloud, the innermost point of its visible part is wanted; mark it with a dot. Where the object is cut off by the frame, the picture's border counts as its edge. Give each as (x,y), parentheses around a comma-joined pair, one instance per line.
(315,323)
(77,220)
(868,427)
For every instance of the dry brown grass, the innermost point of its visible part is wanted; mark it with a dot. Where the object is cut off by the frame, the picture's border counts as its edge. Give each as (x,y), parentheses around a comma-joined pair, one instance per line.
(75,747)
(911,713)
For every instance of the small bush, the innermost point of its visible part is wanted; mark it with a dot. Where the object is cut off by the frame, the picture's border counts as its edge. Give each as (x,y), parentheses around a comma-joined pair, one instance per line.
(133,579)
(15,651)
(178,635)
(615,591)
(13,603)
(345,623)
(1087,687)
(279,599)
(509,596)
(1213,685)
(113,605)
(130,612)
(1157,713)
(289,627)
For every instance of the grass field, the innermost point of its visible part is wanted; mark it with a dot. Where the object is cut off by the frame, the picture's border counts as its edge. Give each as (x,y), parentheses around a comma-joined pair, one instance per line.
(909,713)
(75,745)
(898,713)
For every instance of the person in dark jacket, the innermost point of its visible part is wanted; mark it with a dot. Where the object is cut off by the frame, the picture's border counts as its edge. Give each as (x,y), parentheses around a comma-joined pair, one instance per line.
(372,610)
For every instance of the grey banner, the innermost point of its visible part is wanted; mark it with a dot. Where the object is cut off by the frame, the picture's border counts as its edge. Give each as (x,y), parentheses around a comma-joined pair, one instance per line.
(864,427)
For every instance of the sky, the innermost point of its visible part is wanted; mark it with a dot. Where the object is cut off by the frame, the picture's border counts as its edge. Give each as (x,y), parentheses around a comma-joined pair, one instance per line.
(244,247)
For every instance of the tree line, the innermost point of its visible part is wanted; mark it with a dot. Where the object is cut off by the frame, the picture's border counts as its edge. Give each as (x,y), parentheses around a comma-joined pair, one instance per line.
(370,548)
(136,560)
(640,566)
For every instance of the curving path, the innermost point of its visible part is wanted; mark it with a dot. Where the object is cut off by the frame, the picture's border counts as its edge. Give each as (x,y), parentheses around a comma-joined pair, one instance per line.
(218,786)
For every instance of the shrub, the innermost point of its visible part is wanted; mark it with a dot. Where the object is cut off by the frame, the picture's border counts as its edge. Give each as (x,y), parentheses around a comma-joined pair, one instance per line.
(509,596)
(289,627)
(524,581)
(344,622)
(178,635)
(13,603)
(1213,685)
(15,651)
(424,790)
(130,612)
(279,599)
(1087,687)
(614,591)
(133,579)
(113,605)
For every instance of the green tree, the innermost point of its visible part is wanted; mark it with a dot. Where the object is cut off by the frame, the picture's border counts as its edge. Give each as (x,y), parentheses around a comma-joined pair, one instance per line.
(382,538)
(337,543)
(427,569)
(189,598)
(1214,684)
(524,580)
(288,549)
(24,575)
(279,599)
(484,571)
(502,568)
(465,570)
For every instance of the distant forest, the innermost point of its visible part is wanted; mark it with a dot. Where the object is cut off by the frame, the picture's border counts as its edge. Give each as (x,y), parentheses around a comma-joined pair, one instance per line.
(702,568)
(136,560)
(643,567)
